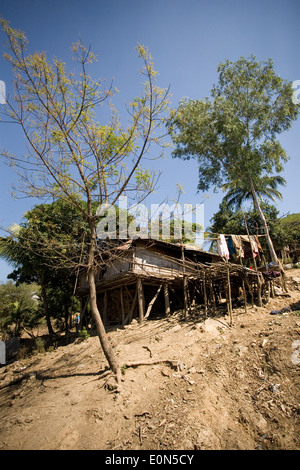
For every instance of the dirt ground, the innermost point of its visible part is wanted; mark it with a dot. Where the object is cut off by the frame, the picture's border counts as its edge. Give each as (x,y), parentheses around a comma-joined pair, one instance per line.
(234,387)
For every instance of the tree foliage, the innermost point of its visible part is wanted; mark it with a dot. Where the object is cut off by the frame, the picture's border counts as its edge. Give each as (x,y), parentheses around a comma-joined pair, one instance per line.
(237,193)
(19,307)
(233,134)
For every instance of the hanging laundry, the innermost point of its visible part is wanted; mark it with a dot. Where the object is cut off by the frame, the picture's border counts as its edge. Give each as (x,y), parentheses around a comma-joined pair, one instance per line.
(231,246)
(238,245)
(248,242)
(222,247)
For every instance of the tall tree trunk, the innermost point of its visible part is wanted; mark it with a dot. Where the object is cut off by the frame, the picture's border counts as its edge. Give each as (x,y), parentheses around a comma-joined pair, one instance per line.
(45,304)
(264,223)
(104,341)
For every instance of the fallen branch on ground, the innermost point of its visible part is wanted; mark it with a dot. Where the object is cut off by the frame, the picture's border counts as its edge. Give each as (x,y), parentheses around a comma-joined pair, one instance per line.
(149,362)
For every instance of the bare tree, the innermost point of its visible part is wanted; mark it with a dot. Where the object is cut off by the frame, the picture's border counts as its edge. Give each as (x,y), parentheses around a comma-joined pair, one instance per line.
(71,155)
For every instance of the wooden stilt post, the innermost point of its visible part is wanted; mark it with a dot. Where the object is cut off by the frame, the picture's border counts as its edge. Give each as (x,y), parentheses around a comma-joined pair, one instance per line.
(185,283)
(255,265)
(151,303)
(205,295)
(141,302)
(185,296)
(194,297)
(244,287)
(129,294)
(229,303)
(132,307)
(212,295)
(167,300)
(245,295)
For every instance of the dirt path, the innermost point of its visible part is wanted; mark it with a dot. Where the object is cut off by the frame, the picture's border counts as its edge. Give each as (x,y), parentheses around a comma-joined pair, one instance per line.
(234,388)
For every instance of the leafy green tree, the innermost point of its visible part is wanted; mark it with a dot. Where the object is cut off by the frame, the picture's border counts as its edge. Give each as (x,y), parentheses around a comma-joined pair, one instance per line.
(73,155)
(291,224)
(289,231)
(233,135)
(19,307)
(48,238)
(230,220)
(236,194)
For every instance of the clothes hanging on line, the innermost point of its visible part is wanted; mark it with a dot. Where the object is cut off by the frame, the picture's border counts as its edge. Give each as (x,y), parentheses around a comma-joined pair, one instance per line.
(222,247)
(250,242)
(235,246)
(240,246)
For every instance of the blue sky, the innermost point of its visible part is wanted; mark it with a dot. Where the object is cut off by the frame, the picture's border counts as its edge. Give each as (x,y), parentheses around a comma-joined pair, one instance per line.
(187,39)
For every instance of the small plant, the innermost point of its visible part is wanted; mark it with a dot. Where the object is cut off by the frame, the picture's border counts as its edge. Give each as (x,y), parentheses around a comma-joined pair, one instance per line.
(123,369)
(83,334)
(39,346)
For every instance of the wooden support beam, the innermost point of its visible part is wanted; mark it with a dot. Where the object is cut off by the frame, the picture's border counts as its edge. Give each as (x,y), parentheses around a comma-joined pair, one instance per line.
(244,287)
(245,295)
(128,292)
(212,294)
(151,303)
(167,300)
(205,295)
(259,301)
(185,296)
(129,316)
(229,303)
(141,302)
